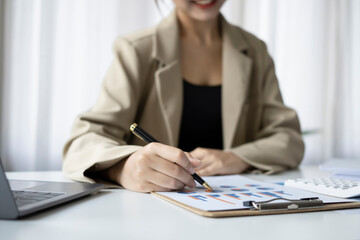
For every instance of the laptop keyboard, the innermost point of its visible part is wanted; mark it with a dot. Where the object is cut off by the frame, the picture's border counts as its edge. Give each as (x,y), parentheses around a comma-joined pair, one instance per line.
(27,197)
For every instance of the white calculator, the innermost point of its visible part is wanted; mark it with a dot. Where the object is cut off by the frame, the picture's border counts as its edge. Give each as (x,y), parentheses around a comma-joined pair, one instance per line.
(336,187)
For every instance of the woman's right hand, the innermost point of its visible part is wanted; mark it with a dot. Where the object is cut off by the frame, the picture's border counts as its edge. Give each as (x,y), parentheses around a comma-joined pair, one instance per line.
(155,167)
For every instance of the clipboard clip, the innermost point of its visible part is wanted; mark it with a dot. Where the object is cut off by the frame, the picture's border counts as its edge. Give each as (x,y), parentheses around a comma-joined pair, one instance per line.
(290,204)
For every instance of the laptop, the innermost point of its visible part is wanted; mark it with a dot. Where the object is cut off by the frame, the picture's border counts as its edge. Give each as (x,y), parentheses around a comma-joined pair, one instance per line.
(19,198)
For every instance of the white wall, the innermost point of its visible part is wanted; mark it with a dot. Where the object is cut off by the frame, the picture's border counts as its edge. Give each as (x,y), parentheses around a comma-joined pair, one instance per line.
(53,48)
(2,13)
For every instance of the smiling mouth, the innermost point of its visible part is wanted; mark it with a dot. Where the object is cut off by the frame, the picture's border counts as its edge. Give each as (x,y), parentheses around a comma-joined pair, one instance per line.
(204,3)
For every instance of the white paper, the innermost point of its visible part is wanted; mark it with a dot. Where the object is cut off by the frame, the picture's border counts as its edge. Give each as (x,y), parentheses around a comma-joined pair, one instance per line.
(229,193)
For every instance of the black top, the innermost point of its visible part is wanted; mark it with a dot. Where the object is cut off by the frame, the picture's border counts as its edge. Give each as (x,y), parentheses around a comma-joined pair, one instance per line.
(201,124)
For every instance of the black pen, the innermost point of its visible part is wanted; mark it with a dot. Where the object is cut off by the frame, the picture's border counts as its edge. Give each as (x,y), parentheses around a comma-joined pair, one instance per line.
(142,134)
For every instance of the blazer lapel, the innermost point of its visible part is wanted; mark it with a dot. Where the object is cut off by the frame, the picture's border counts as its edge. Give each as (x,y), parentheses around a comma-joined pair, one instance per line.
(236,74)
(169,89)
(168,79)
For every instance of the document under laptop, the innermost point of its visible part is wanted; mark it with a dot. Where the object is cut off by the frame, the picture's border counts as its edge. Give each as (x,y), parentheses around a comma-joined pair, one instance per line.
(19,198)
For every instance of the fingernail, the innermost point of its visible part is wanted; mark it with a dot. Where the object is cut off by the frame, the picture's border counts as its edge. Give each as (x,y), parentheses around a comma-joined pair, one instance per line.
(191,170)
(193,184)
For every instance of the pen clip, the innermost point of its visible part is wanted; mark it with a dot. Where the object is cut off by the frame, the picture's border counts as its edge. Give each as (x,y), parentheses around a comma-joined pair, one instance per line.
(291,204)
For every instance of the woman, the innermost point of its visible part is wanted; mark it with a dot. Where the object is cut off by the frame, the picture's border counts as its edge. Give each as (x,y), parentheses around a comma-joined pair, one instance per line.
(195,82)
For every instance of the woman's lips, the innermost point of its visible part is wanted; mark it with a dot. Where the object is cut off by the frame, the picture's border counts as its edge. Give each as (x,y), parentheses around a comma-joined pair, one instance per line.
(204,3)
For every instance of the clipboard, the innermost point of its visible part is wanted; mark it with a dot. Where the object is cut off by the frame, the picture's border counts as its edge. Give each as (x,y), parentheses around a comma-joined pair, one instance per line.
(257,212)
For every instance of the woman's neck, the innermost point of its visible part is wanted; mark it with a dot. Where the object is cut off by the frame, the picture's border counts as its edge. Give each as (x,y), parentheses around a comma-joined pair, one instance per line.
(199,32)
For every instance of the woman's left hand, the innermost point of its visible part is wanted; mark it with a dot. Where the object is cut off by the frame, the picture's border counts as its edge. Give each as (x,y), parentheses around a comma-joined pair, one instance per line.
(218,162)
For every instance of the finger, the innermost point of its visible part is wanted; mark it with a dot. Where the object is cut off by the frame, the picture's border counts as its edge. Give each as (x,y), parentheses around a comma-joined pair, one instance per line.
(151,187)
(146,186)
(208,171)
(188,154)
(172,154)
(165,181)
(195,162)
(172,170)
(199,153)
(205,163)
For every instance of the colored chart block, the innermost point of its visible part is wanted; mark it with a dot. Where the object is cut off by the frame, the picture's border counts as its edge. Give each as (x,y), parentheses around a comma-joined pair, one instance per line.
(214,191)
(270,194)
(227,186)
(233,196)
(198,197)
(239,189)
(251,194)
(186,191)
(217,197)
(252,185)
(282,192)
(264,188)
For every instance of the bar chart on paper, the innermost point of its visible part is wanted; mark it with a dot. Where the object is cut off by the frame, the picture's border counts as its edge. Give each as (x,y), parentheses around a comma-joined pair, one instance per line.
(229,193)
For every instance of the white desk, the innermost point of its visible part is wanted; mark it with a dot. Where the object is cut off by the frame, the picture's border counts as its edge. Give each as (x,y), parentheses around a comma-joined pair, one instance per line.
(121,214)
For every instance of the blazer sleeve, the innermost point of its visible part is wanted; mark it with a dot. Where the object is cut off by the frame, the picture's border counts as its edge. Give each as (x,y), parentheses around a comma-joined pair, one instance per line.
(278,145)
(98,137)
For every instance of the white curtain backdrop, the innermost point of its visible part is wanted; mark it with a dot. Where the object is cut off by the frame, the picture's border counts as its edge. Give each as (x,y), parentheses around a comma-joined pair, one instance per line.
(53,48)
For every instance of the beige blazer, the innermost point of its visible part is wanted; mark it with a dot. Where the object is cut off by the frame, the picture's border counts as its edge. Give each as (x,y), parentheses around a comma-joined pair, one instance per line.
(144,85)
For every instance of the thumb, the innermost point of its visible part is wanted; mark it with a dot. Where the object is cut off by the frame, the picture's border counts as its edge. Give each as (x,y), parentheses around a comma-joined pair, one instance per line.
(195,162)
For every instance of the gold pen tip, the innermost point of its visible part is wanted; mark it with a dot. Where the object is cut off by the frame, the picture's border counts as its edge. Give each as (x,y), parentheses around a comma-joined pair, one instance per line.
(207,186)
